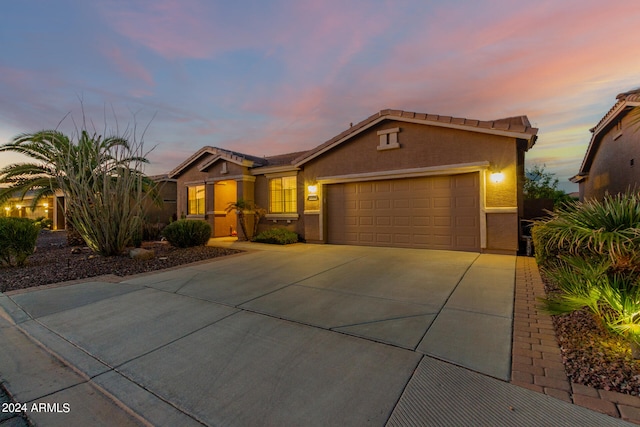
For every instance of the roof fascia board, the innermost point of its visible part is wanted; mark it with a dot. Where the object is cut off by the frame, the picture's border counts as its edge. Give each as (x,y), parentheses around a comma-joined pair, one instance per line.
(407,173)
(597,131)
(614,114)
(499,132)
(222,155)
(190,160)
(263,170)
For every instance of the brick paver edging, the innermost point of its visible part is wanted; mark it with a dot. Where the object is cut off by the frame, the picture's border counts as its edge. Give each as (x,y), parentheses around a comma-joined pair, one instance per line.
(537,362)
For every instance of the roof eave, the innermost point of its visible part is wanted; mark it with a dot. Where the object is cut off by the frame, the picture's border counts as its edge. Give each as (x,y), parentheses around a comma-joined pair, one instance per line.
(530,137)
(621,107)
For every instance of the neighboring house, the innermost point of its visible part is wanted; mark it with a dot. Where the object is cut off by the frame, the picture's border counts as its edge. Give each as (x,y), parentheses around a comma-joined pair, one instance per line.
(46,207)
(397,178)
(609,166)
(50,207)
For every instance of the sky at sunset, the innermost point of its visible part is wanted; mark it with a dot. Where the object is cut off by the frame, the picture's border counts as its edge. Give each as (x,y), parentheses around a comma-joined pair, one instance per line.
(270,77)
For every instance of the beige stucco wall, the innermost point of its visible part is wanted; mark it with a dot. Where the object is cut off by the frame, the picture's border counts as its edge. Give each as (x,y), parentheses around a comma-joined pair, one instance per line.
(429,146)
(215,205)
(611,169)
(167,211)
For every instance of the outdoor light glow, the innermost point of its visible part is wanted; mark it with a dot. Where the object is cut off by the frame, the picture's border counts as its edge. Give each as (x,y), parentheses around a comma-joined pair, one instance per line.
(313,189)
(19,206)
(46,205)
(497,177)
(7,208)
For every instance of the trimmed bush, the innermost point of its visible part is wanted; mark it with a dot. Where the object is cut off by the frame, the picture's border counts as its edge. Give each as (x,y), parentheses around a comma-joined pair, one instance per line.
(277,236)
(17,240)
(185,233)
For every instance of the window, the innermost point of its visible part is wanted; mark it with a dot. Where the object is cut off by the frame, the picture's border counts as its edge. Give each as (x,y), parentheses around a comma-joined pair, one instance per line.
(282,192)
(195,200)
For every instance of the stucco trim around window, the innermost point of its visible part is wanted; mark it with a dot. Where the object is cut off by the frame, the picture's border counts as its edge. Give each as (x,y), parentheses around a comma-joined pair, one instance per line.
(282,216)
(283,192)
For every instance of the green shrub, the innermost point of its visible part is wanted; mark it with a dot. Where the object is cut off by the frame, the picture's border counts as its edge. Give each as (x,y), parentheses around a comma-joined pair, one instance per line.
(278,236)
(152,231)
(43,222)
(591,251)
(17,240)
(185,233)
(608,227)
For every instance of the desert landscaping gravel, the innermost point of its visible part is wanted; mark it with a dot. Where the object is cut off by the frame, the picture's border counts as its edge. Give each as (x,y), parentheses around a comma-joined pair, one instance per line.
(53,262)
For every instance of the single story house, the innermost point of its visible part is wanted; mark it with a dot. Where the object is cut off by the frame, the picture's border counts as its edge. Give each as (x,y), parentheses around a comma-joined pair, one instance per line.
(609,164)
(397,178)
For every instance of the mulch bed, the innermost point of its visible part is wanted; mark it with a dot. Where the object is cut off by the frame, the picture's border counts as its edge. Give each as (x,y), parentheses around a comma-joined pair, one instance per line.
(593,356)
(54,262)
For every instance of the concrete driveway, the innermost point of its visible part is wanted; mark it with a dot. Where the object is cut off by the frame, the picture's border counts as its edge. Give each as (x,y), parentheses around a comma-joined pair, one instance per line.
(296,335)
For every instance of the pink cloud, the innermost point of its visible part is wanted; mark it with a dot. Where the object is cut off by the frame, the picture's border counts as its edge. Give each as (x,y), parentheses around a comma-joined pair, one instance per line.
(128,65)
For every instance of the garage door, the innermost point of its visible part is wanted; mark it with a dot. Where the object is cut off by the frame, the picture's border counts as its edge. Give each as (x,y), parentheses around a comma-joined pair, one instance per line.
(438,212)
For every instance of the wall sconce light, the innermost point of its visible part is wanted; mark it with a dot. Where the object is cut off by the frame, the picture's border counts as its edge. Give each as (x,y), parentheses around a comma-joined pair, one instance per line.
(19,207)
(46,205)
(496,177)
(313,192)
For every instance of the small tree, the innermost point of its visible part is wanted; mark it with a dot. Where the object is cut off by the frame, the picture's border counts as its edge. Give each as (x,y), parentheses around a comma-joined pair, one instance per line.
(249,215)
(540,184)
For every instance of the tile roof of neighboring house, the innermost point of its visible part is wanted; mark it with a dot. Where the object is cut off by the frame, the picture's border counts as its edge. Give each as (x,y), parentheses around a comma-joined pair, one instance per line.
(622,98)
(512,125)
(625,102)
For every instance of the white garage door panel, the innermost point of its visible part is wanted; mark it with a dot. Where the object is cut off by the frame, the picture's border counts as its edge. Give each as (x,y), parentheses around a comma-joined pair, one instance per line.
(439,212)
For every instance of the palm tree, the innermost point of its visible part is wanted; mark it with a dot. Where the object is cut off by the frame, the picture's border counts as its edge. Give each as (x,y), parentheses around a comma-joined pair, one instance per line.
(249,215)
(59,162)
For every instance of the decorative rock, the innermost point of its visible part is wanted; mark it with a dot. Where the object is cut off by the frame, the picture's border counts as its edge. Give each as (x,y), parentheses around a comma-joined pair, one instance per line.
(141,254)
(76,250)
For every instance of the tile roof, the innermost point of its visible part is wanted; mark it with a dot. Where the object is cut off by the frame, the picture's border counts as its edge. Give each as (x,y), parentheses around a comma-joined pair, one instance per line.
(283,159)
(516,124)
(624,102)
(622,98)
(227,154)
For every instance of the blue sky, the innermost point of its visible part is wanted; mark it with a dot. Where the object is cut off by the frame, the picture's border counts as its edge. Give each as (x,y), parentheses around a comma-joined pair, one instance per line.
(270,77)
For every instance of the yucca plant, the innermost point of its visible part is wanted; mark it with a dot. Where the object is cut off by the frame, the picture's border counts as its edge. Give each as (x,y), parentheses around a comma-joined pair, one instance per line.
(608,227)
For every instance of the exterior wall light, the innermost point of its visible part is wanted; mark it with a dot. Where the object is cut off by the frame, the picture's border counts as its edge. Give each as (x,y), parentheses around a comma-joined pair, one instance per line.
(313,192)
(496,177)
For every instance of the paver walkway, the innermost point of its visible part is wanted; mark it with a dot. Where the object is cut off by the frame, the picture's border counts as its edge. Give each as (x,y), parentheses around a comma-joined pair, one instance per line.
(537,362)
